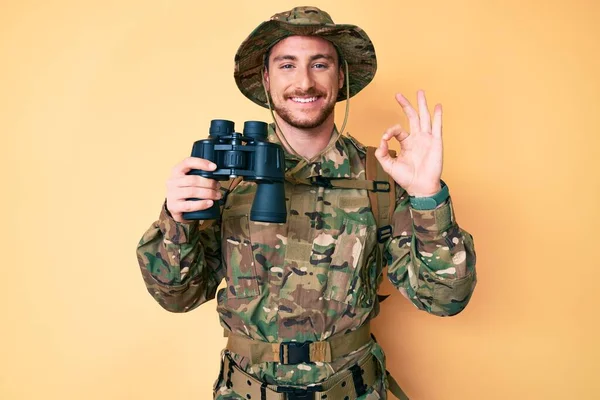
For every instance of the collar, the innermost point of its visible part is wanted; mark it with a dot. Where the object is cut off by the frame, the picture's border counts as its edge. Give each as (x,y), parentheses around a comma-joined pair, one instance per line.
(333,162)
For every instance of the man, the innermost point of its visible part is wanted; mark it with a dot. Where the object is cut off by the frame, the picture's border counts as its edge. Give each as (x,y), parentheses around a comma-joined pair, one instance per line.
(300,294)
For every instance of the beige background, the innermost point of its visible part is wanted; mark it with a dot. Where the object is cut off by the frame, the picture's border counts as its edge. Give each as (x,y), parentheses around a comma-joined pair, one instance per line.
(99,99)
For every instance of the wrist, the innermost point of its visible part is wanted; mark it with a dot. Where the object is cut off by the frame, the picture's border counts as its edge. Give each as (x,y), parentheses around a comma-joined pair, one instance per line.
(425,191)
(430,202)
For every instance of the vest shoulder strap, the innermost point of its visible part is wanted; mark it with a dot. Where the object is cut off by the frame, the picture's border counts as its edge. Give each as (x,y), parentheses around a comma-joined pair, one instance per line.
(382,202)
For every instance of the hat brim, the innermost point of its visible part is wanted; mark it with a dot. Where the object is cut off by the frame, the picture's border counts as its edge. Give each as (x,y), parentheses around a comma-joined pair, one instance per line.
(352,42)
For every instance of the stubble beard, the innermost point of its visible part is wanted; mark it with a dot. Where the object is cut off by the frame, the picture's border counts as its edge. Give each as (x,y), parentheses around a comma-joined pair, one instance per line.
(304,123)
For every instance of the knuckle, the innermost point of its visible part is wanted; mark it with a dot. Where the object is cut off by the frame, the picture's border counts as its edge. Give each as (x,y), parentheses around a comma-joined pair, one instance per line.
(173,207)
(208,194)
(207,183)
(201,181)
(188,163)
(191,180)
(191,205)
(190,192)
(173,181)
(176,193)
(171,195)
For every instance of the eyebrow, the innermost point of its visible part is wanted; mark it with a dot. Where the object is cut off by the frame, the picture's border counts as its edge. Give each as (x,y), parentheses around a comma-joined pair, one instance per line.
(294,58)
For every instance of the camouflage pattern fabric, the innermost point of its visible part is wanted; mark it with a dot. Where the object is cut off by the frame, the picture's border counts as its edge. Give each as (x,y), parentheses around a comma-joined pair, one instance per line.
(352,43)
(314,276)
(222,393)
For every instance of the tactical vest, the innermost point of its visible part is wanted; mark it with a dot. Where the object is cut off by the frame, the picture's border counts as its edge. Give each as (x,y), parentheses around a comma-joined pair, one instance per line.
(382,200)
(381,190)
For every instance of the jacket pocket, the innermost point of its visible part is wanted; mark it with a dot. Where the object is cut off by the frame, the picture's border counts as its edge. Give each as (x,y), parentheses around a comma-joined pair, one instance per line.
(242,279)
(344,281)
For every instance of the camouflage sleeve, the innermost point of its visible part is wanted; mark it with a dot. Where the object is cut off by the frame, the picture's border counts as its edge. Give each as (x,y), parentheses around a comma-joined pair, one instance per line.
(430,259)
(180,262)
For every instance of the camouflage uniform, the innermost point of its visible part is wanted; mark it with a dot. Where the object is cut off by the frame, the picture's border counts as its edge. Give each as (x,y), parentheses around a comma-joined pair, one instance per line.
(314,276)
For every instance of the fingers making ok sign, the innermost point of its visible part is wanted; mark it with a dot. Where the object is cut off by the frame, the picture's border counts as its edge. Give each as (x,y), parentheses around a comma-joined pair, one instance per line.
(418,166)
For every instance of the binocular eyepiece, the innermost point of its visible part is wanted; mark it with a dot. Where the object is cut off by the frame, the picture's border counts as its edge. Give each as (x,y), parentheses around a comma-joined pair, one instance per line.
(250,156)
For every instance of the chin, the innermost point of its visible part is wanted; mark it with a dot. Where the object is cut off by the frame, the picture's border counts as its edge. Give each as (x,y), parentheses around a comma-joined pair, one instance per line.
(303,122)
(306,123)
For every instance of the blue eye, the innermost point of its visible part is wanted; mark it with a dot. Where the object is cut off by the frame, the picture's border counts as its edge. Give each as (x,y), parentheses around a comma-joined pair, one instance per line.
(286,66)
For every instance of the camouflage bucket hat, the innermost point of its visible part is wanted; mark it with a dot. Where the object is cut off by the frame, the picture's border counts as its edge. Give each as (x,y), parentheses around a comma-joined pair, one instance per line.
(352,42)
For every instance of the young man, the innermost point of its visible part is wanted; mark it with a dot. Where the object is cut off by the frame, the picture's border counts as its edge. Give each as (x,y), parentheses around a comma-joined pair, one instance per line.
(300,294)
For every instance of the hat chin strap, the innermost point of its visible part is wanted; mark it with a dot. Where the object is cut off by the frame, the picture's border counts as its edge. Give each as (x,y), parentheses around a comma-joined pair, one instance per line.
(347,98)
(279,132)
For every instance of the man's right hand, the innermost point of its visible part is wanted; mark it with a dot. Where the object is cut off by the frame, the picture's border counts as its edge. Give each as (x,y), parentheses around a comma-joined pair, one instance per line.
(181,187)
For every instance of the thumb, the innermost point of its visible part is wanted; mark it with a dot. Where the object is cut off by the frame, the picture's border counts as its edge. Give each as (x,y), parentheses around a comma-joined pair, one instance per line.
(382,153)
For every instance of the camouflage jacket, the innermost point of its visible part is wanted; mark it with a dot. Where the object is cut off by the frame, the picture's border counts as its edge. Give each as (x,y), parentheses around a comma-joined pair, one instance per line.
(314,276)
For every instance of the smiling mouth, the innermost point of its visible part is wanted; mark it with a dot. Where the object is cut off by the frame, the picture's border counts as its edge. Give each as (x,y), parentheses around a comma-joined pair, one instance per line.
(304,100)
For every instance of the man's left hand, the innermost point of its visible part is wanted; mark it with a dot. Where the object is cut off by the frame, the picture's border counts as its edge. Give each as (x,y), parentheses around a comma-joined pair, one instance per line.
(418,166)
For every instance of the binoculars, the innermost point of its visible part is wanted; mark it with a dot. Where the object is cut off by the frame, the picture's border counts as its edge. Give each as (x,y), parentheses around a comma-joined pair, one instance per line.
(250,156)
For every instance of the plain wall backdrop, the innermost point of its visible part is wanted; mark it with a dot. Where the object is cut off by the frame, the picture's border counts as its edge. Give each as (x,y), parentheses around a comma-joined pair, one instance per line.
(100,99)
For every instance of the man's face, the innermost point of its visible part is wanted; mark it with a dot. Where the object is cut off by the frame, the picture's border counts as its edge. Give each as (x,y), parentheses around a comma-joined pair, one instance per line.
(303,79)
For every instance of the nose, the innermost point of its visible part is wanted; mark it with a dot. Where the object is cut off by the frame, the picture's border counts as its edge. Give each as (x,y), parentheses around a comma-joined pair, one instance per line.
(305,79)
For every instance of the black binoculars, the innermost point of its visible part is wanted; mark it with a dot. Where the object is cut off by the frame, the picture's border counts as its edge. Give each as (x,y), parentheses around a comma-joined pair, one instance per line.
(249,155)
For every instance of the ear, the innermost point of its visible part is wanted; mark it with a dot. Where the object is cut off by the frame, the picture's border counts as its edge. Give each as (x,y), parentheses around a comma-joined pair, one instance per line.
(266,78)
(342,77)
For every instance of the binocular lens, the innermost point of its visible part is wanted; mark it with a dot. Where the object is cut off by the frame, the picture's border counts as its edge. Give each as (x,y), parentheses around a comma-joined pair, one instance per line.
(221,127)
(255,129)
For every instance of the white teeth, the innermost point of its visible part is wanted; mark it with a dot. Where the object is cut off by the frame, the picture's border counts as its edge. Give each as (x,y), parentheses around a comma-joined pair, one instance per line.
(303,100)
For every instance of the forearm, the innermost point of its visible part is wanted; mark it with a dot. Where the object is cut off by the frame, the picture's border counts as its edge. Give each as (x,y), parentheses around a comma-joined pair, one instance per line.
(180,263)
(430,259)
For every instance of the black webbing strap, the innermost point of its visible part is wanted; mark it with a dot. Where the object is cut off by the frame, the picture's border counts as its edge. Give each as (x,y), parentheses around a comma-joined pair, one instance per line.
(357,377)
(263,391)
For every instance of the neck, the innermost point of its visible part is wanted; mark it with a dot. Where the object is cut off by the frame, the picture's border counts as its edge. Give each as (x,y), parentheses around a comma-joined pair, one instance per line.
(306,142)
